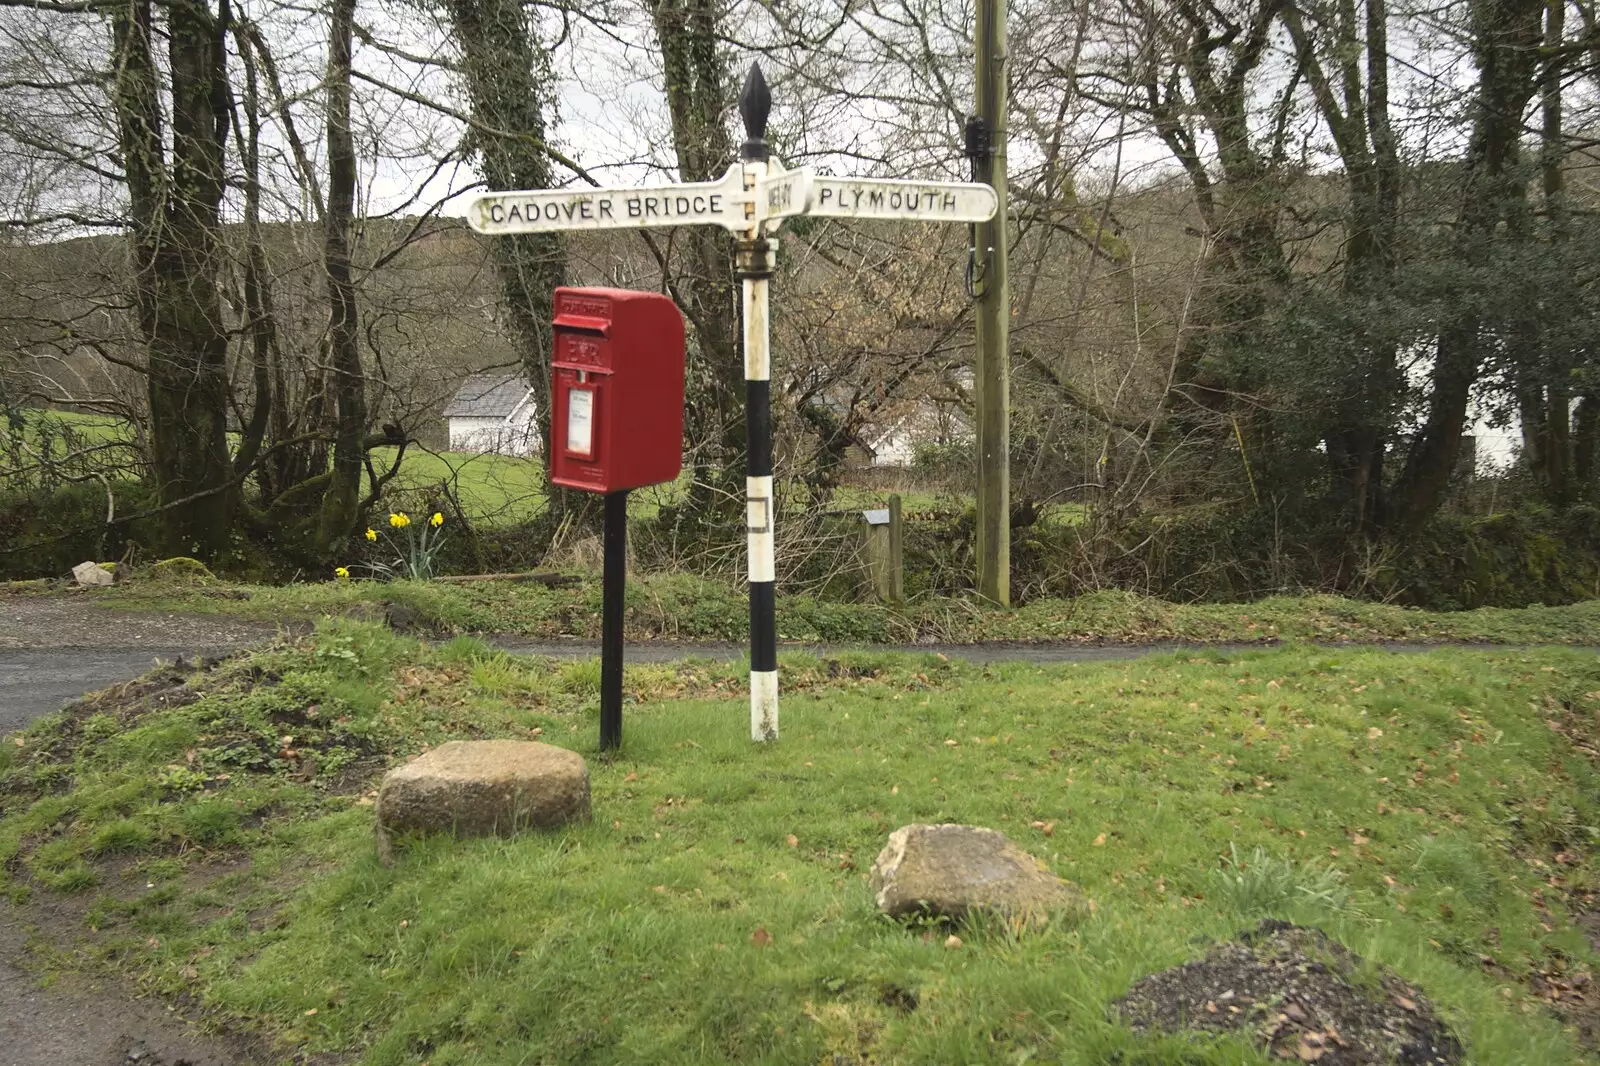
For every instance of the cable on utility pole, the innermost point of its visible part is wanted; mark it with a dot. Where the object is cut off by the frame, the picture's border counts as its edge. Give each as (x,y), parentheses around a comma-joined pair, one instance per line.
(990,287)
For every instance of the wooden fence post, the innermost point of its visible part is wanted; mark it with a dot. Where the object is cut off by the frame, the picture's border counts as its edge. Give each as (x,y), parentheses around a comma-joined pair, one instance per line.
(885,552)
(897,562)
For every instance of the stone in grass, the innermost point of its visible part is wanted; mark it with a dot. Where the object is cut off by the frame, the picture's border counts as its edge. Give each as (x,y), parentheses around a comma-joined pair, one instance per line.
(955,871)
(92,573)
(1299,996)
(482,788)
(404,618)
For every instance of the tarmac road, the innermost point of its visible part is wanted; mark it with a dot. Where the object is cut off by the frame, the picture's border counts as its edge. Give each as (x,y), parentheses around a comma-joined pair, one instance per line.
(35,681)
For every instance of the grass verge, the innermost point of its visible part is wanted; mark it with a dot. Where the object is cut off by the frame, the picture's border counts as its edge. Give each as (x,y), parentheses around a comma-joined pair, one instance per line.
(210,831)
(682,607)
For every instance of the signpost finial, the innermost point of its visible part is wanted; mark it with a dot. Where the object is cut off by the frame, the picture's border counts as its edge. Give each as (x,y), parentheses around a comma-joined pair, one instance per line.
(755,104)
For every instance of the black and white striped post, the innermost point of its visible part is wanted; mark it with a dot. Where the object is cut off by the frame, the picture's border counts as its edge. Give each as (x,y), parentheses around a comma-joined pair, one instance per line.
(754,259)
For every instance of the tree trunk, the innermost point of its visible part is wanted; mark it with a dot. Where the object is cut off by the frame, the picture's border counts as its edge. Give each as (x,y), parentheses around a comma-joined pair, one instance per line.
(1507,36)
(173,240)
(341,498)
(508,83)
(698,104)
(1355,108)
(297,383)
(261,327)
(1585,439)
(1549,365)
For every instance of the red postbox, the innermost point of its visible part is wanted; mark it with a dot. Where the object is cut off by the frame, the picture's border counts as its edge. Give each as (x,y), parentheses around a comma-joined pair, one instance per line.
(616,395)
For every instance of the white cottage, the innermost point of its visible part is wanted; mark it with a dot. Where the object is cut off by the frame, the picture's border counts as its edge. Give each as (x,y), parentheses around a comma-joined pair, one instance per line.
(895,441)
(493,413)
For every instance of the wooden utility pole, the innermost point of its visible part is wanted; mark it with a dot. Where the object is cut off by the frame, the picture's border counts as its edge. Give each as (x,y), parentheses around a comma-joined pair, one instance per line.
(994,318)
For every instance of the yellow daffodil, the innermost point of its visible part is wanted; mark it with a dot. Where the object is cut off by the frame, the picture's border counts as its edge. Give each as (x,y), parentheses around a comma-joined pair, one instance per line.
(342,573)
(372,534)
(437,520)
(400,520)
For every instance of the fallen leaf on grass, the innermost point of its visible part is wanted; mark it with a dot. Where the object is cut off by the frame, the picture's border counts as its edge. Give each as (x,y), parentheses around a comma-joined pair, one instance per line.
(632,776)
(1312,1047)
(1100,840)
(761,938)
(792,840)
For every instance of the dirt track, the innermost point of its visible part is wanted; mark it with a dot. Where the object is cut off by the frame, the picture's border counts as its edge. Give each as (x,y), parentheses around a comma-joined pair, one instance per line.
(74,621)
(94,1023)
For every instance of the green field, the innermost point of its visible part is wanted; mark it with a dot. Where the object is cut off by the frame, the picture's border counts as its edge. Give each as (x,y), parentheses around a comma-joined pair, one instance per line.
(1435,813)
(492,489)
(39,426)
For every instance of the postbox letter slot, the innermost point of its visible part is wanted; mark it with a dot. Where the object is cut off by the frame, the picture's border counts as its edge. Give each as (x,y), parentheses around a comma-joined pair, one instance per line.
(586,323)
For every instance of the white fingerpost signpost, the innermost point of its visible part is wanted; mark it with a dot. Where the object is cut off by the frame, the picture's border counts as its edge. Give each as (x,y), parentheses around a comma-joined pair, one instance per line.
(751,200)
(754,258)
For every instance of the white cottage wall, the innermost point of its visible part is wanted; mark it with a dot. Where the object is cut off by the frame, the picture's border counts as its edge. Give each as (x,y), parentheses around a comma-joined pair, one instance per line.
(475,433)
(895,448)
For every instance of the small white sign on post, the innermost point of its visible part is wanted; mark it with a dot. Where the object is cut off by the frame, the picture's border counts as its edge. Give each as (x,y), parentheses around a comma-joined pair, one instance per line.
(751,200)
(785,193)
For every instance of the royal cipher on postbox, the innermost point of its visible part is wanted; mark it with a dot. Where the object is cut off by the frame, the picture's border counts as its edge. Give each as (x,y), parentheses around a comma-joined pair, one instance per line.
(616,393)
